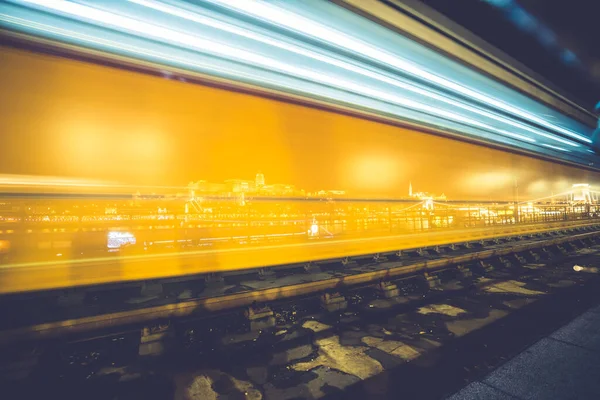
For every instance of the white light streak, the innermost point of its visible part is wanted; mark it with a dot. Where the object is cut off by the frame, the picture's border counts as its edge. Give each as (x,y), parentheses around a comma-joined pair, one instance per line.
(555,147)
(208,46)
(200,44)
(267,12)
(345,65)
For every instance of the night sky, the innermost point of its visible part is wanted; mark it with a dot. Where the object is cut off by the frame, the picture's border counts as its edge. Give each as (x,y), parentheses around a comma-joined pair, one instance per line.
(574,23)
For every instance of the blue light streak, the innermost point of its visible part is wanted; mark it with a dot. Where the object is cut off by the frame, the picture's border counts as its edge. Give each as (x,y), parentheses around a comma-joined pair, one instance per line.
(199,39)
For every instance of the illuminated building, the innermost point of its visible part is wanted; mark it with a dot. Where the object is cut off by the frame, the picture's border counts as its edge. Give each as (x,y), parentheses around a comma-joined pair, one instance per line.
(260,180)
(279,189)
(239,186)
(425,195)
(581,193)
(204,187)
(329,194)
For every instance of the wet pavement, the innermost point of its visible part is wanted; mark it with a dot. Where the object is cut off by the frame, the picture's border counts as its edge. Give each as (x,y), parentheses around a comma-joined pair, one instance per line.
(563,365)
(424,344)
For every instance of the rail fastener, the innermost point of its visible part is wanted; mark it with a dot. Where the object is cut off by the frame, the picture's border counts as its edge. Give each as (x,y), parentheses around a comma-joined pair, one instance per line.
(388,290)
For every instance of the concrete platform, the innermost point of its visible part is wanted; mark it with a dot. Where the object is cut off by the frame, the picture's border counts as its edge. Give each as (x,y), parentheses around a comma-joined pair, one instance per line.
(564,365)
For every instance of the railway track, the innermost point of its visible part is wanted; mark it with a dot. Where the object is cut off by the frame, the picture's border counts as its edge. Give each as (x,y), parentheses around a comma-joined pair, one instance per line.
(486,316)
(97,309)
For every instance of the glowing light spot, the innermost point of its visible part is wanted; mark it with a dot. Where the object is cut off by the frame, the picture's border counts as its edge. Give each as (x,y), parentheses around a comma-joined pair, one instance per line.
(118,239)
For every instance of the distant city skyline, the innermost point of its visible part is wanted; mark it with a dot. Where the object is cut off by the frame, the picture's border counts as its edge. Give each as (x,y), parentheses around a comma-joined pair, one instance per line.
(257,185)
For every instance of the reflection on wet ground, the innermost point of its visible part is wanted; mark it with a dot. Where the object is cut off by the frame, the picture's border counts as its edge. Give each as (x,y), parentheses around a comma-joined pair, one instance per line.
(425,344)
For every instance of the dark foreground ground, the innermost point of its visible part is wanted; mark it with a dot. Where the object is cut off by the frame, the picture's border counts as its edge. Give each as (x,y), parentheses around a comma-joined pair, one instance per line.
(426,344)
(563,365)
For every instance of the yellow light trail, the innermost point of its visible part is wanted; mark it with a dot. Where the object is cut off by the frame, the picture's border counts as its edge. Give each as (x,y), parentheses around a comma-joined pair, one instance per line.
(51,275)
